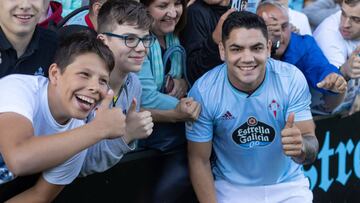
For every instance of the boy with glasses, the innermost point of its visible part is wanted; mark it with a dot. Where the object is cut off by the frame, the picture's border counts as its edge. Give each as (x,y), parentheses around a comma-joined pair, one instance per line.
(124,28)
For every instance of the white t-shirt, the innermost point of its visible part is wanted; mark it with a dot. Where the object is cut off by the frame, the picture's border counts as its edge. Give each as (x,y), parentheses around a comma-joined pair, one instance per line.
(337,50)
(27,96)
(300,21)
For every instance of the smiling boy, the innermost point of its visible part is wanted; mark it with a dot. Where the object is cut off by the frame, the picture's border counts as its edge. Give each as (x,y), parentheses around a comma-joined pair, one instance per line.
(124,27)
(42,120)
(24,47)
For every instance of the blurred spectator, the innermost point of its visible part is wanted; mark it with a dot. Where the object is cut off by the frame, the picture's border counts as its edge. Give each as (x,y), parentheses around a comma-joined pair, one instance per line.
(201,36)
(318,10)
(24,47)
(303,52)
(339,38)
(87,17)
(51,15)
(71,5)
(297,19)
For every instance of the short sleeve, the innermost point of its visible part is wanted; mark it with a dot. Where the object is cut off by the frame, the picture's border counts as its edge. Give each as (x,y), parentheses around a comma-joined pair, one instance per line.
(65,173)
(299,98)
(18,95)
(200,130)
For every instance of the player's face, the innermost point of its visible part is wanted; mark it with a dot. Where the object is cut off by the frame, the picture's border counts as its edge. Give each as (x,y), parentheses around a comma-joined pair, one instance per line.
(166,14)
(126,59)
(350,21)
(245,53)
(19,17)
(79,88)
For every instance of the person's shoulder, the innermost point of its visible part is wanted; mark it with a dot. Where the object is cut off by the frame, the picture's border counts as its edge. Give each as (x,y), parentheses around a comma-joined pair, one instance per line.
(47,37)
(298,15)
(23,81)
(331,23)
(281,68)
(302,41)
(211,78)
(133,80)
(285,74)
(198,8)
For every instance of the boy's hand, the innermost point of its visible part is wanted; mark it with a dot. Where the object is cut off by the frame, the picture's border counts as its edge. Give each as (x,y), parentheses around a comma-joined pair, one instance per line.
(110,122)
(139,125)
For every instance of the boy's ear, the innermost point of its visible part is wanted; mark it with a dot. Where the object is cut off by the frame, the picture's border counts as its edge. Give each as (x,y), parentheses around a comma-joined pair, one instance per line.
(54,73)
(103,38)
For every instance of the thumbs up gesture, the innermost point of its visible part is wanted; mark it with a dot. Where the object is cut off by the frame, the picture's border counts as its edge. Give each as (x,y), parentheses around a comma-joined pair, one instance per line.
(291,138)
(109,121)
(139,125)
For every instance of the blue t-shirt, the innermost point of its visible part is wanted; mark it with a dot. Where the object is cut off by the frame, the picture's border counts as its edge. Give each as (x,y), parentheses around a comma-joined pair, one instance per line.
(305,54)
(246,129)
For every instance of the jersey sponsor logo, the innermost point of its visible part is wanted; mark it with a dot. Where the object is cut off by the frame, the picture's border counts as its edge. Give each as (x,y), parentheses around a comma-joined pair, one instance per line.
(227,116)
(274,107)
(253,133)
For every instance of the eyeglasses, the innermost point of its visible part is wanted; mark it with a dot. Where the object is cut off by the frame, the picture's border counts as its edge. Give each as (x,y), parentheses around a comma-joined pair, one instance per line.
(132,40)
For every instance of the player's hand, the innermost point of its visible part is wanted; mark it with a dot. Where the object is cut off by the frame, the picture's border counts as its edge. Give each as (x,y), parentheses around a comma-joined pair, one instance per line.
(333,82)
(139,125)
(188,109)
(110,122)
(291,138)
(216,35)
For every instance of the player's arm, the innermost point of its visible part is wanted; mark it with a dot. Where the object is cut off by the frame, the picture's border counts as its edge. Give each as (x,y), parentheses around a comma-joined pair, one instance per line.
(41,192)
(310,144)
(25,153)
(200,171)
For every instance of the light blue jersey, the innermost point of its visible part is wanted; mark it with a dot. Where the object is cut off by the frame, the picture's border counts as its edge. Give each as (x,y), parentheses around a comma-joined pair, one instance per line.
(246,129)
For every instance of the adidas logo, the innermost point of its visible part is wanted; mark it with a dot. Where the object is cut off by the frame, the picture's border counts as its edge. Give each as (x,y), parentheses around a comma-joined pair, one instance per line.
(227,116)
